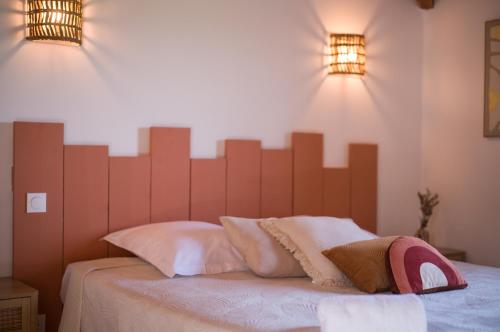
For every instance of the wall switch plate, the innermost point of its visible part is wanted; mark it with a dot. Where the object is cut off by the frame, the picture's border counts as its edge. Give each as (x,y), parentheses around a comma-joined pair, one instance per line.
(36,203)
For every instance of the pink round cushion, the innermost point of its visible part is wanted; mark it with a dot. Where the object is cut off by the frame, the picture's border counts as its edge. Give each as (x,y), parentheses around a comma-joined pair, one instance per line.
(417,267)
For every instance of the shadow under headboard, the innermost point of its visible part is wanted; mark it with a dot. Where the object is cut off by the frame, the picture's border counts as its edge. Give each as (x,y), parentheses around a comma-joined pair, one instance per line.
(90,194)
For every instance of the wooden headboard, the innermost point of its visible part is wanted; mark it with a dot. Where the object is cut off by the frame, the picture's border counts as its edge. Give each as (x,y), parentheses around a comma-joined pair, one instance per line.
(90,194)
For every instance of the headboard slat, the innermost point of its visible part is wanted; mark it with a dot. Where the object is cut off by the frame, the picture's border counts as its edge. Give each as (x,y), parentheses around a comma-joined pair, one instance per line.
(276,187)
(170,162)
(85,202)
(129,194)
(363,164)
(208,189)
(243,178)
(307,174)
(337,192)
(38,237)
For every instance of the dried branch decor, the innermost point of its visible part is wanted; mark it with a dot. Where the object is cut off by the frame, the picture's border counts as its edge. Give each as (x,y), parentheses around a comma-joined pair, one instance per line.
(54,20)
(428,201)
(347,54)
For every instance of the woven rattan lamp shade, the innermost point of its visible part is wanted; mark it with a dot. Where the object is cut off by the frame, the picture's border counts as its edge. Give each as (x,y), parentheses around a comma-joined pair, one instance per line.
(54,20)
(347,54)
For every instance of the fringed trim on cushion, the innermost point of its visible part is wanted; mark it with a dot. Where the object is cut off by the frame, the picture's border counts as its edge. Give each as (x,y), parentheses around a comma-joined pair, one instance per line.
(289,245)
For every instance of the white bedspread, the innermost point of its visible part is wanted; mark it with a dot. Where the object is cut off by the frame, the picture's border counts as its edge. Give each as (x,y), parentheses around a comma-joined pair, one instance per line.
(140,298)
(73,283)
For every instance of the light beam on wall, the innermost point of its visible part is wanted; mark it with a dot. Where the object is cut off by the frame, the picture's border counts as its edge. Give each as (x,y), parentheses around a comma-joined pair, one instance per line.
(347,54)
(54,20)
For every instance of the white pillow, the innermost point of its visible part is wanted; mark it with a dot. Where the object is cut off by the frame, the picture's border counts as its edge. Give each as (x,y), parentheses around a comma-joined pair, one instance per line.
(263,254)
(306,237)
(181,247)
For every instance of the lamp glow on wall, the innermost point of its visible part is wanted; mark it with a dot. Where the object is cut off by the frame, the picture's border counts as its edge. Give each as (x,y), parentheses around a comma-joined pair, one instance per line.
(347,54)
(58,21)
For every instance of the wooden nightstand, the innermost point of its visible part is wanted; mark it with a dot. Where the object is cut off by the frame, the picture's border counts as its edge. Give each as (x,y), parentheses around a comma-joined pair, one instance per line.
(453,254)
(18,306)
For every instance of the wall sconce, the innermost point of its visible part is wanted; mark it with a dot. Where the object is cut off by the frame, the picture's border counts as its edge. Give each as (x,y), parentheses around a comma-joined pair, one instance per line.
(54,20)
(347,54)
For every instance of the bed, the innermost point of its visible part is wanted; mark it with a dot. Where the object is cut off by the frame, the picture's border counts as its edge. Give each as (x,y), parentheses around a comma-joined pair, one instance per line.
(94,194)
(137,297)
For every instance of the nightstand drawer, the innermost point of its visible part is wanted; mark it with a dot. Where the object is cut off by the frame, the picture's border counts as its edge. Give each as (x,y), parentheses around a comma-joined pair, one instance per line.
(456,257)
(18,306)
(15,314)
(453,254)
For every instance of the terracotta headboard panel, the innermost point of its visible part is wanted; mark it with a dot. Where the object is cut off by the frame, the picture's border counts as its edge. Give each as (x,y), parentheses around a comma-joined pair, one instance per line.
(90,194)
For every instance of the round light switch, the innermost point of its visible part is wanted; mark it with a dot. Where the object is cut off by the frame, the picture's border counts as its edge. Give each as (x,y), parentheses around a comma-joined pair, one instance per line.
(36,203)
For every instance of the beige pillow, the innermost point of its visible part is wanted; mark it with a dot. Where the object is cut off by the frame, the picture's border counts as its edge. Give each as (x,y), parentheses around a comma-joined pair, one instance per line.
(364,263)
(263,255)
(306,237)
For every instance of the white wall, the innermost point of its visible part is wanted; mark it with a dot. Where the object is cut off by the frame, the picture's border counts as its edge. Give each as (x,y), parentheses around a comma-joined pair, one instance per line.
(458,162)
(5,199)
(225,68)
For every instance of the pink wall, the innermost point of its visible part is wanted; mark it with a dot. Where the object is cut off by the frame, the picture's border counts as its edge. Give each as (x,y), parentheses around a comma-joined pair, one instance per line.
(457,161)
(226,69)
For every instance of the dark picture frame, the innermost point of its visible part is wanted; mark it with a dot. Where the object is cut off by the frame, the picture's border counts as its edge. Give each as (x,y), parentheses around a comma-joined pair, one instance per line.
(492,79)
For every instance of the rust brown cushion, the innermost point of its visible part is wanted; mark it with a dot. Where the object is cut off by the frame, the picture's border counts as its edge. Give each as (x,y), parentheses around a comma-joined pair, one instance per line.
(364,263)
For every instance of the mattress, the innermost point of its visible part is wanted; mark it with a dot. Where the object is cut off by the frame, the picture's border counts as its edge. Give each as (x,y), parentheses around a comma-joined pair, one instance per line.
(140,298)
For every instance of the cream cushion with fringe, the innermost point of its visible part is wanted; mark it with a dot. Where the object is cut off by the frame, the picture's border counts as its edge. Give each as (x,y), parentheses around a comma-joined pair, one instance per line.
(306,237)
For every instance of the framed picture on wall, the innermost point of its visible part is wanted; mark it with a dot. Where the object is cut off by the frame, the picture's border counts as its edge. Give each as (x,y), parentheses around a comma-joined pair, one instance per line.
(492,80)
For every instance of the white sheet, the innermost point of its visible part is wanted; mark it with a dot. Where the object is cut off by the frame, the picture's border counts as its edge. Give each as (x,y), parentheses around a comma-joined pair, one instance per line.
(374,313)
(140,298)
